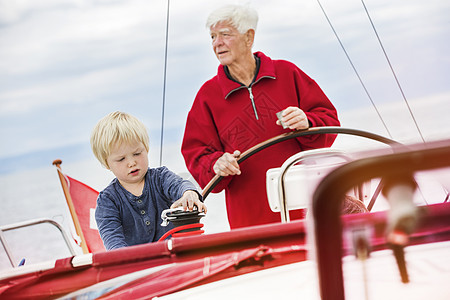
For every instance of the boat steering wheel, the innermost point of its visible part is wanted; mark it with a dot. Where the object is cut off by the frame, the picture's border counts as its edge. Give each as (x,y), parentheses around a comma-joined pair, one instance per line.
(294,134)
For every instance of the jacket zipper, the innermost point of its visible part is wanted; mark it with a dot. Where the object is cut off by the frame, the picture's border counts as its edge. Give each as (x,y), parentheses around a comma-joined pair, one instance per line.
(253,101)
(249,88)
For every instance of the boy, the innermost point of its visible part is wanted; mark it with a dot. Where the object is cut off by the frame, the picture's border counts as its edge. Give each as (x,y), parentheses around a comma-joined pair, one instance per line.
(129,209)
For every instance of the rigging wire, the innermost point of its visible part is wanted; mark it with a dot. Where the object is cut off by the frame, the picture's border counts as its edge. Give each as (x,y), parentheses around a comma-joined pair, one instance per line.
(164,85)
(354,68)
(399,86)
(392,70)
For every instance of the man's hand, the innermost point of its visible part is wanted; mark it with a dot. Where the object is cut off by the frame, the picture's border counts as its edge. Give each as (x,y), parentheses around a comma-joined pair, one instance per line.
(188,201)
(227,164)
(294,118)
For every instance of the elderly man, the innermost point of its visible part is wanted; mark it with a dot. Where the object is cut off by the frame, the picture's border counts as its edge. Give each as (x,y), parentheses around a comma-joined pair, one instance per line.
(236,109)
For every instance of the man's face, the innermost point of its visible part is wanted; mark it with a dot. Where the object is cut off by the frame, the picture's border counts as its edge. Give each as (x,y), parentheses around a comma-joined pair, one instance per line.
(228,44)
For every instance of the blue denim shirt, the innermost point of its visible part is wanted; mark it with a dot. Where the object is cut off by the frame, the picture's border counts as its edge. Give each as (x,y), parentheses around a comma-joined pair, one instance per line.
(124,219)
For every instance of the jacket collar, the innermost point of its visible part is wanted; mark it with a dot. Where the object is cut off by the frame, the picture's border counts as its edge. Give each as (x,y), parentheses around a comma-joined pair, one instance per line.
(266,69)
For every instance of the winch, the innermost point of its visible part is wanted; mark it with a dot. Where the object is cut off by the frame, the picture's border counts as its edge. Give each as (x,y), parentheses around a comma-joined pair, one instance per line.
(185,223)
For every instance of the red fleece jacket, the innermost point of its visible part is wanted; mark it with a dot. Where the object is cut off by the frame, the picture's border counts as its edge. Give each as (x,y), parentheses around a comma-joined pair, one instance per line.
(223,119)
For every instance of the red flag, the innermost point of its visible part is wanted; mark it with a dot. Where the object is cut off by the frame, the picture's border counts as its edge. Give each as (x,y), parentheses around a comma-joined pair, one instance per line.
(81,201)
(84,199)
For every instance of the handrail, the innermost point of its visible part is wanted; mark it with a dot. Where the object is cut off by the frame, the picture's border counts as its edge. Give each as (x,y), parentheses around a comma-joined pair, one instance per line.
(28,223)
(291,161)
(330,192)
(294,134)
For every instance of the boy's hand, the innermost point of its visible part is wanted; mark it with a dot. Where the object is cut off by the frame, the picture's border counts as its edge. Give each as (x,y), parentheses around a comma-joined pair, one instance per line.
(188,201)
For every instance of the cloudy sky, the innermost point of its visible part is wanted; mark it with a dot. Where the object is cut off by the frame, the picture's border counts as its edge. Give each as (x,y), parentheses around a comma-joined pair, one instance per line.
(64,64)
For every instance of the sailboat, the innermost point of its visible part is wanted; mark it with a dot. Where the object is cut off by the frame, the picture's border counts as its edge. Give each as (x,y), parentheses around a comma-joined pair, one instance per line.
(326,256)
(386,254)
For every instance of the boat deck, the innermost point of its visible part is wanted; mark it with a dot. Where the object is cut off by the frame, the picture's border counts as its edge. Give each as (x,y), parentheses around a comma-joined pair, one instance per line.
(428,267)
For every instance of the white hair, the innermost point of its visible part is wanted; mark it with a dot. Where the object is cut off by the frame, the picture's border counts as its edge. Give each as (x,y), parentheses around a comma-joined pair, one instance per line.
(243,17)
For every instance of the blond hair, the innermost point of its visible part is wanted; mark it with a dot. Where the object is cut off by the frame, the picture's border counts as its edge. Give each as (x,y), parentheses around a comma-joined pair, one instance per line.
(116,127)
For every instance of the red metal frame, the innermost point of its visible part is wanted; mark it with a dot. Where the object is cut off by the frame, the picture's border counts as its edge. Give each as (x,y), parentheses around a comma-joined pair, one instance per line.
(327,201)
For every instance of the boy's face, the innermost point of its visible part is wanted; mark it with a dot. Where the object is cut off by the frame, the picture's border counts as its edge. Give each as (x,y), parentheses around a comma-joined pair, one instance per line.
(128,162)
